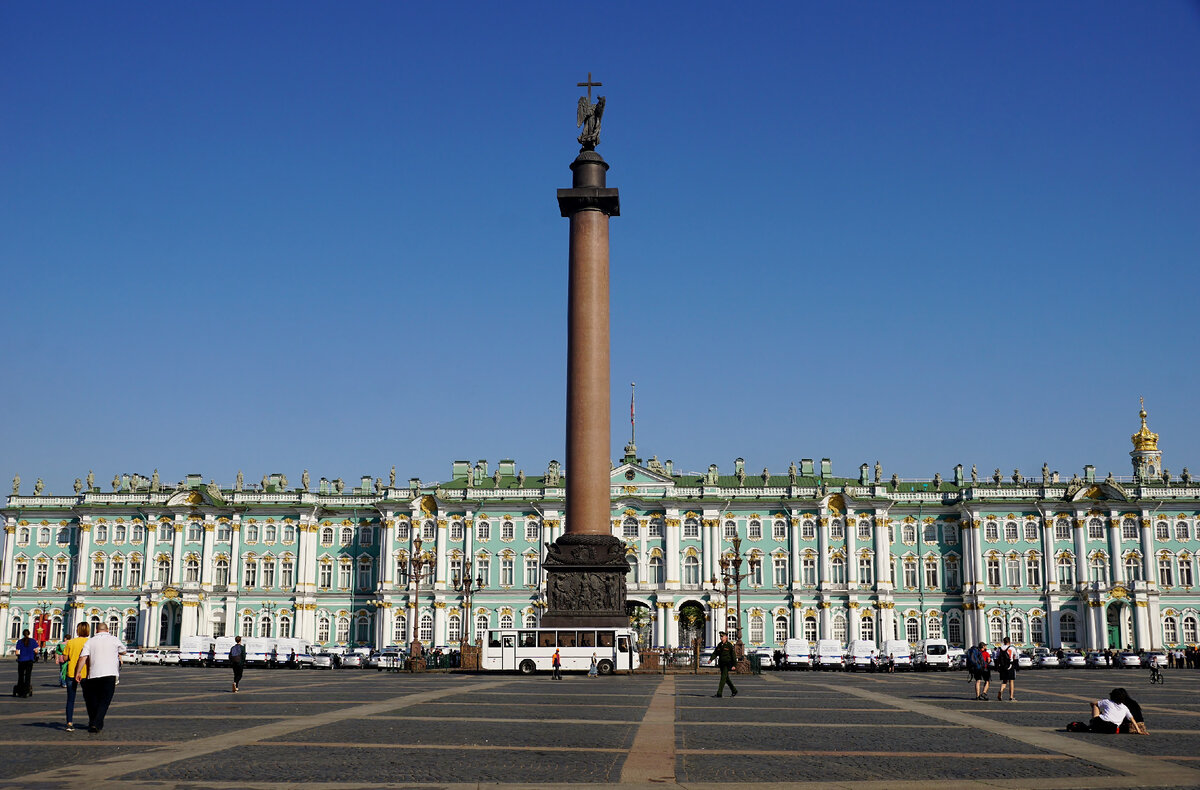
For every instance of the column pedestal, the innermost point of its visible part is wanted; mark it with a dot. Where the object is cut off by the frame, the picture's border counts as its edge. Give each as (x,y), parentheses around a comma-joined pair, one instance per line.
(585,582)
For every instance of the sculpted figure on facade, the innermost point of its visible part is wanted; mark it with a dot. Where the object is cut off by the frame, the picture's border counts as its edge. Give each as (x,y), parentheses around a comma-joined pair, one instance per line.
(496,478)
(895,481)
(283,482)
(1166,477)
(78,486)
(974,475)
(305,479)
(379,485)
(1045,473)
(1016,476)
(792,473)
(265,482)
(997,477)
(339,485)
(521,479)
(155,482)
(38,487)
(238,481)
(1186,477)
(16,484)
(392,477)
(116,482)
(91,480)
(937,480)
(878,472)
(766,477)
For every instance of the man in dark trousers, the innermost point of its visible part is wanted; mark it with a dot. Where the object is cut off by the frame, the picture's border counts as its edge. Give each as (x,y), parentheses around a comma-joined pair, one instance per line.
(27,652)
(101,658)
(726,658)
(237,660)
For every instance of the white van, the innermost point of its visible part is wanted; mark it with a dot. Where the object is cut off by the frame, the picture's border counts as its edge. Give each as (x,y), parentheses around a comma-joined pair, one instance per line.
(303,648)
(861,655)
(900,652)
(194,650)
(797,654)
(932,654)
(830,655)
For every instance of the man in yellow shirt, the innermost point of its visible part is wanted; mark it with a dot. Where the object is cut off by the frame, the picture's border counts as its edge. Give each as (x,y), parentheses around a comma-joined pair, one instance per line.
(73,648)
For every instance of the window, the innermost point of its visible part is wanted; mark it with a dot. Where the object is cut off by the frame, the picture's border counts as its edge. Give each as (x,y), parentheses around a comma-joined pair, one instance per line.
(347,539)
(483,531)
(224,531)
(691,528)
(101,534)
(656,570)
(195,532)
(135,573)
(250,573)
(808,530)
(531,571)
(779,529)
(779,572)
(808,572)
(1037,630)
(1182,532)
(363,632)
(454,628)
(1031,532)
(64,535)
(43,571)
(60,573)
(247,626)
(1189,630)
(344,576)
(1017,630)
(1033,571)
(656,528)
(365,577)
(456,531)
(952,573)
(954,634)
(285,627)
(1185,571)
(1066,627)
(730,530)
(483,569)
(1133,568)
(221,575)
(1165,575)
(325,577)
(995,630)
(287,574)
(756,628)
(810,629)
(23,539)
(1095,529)
(691,570)
(930,535)
(166,533)
(837,568)
(1170,630)
(1062,530)
(950,532)
(532,531)
(839,627)
(131,630)
(268,572)
(908,534)
(933,628)
(993,572)
(1162,531)
(366,536)
(781,629)
(1010,532)
(991,532)
(402,569)
(506,572)
(866,571)
(191,570)
(631,578)
(327,537)
(252,533)
(289,533)
(864,530)
(756,571)
(1066,570)
(1099,569)
(866,629)
(399,629)
(1129,529)
(507,531)
(323,628)
(1013,571)
(931,574)
(343,628)
(164,570)
(837,529)
(401,531)
(910,572)
(264,627)
(428,530)
(754,531)
(481,627)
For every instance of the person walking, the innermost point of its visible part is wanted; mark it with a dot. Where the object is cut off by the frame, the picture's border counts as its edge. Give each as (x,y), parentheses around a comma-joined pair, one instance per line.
(726,658)
(71,652)
(977,664)
(556,665)
(237,660)
(594,669)
(60,658)
(100,660)
(1006,665)
(27,653)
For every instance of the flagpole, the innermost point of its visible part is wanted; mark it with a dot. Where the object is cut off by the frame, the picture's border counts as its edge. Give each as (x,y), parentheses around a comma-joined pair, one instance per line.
(632,417)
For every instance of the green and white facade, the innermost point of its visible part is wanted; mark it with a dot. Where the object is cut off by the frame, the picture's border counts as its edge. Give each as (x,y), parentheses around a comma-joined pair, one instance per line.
(1087,562)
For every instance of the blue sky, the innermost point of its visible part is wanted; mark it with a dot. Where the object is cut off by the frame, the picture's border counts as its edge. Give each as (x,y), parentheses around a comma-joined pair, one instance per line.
(277,236)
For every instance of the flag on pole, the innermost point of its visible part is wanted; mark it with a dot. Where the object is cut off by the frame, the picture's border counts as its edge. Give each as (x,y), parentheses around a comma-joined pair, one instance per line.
(632,418)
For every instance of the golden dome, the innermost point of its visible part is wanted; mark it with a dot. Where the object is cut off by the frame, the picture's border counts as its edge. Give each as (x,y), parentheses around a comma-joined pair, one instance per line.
(1144,439)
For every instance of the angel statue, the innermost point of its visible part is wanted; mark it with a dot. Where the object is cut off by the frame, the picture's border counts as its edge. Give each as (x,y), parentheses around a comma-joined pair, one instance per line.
(588,116)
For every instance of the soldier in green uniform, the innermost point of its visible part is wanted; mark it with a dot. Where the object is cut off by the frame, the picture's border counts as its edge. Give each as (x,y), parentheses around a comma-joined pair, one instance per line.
(726,658)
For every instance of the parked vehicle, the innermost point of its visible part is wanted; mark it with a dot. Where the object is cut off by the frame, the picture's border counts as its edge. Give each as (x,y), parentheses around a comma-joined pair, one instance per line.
(900,651)
(194,650)
(1047,660)
(352,660)
(150,655)
(797,654)
(169,657)
(1074,660)
(1024,661)
(957,657)
(861,655)
(830,654)
(932,654)
(1155,660)
(1129,661)
(322,661)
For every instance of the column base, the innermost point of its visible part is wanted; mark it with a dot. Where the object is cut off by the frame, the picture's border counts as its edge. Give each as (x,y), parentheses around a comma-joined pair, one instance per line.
(585,582)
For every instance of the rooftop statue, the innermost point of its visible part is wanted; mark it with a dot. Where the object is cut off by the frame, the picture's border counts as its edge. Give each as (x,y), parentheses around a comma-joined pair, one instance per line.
(155,482)
(78,486)
(878,472)
(91,480)
(974,474)
(38,487)
(392,477)
(16,484)
(239,481)
(588,116)
(304,479)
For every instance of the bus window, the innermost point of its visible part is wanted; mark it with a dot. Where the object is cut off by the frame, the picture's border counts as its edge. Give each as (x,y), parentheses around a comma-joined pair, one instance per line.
(546,639)
(587,638)
(604,639)
(493,639)
(509,640)
(526,639)
(567,639)
(623,645)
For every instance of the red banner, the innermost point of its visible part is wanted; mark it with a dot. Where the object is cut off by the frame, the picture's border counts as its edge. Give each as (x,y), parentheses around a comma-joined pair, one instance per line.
(41,629)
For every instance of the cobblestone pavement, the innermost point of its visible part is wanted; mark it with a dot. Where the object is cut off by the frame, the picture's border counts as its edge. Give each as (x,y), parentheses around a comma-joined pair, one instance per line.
(182,728)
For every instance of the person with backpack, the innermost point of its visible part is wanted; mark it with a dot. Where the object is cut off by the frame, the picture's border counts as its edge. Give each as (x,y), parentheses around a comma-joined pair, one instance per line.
(27,653)
(977,665)
(237,660)
(1006,665)
(556,666)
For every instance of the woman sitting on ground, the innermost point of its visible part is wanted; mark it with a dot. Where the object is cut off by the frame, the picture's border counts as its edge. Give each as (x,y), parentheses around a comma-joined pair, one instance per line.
(1109,714)
(1136,724)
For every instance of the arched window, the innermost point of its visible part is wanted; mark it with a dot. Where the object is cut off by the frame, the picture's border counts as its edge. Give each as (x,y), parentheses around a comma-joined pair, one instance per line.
(837,529)
(1189,630)
(269,533)
(1133,568)
(454,628)
(754,529)
(507,530)
(327,536)
(810,629)
(289,533)
(1095,529)
(908,534)
(933,628)
(130,630)
(1099,569)
(629,527)
(1066,570)
(995,629)
(1010,531)
(691,528)
(781,628)
(285,627)
(730,530)
(866,629)
(731,625)
(456,531)
(531,620)
(363,631)
(483,531)
(954,633)
(656,570)
(101,534)
(138,534)
(912,629)
(808,530)
(756,628)
(191,570)
(506,621)
(1037,630)
(264,626)
(247,626)
(323,629)
(195,532)
(252,533)
(221,573)
(429,530)
(114,625)
(837,569)
(839,627)
(164,569)
(1067,628)
(347,536)
(1017,630)
(632,577)
(691,571)
(343,628)
(400,629)
(1162,531)
(1170,631)
(481,628)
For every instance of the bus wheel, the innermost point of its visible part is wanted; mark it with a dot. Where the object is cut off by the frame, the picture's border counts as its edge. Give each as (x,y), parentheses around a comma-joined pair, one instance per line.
(604,667)
(528,667)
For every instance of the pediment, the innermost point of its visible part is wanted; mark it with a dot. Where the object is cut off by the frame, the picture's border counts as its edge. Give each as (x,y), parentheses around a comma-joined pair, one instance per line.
(634,475)
(1097,492)
(199,496)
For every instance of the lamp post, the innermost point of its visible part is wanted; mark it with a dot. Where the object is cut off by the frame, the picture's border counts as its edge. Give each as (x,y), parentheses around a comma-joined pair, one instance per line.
(41,628)
(420,564)
(731,574)
(1007,607)
(467,586)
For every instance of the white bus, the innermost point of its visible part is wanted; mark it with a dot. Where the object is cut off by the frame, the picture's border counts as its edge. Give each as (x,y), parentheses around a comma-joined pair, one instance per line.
(531,650)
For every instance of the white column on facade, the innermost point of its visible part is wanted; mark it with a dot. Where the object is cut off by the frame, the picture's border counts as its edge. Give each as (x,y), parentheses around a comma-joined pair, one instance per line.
(1097,627)
(153,626)
(206,553)
(673,530)
(83,560)
(189,622)
(439,622)
(1114,548)
(440,558)
(177,550)
(1049,564)
(1079,534)
(1146,533)
(6,571)
(797,620)
(853,628)
(1147,624)
(851,533)
(235,554)
(823,552)
(794,551)
(883,551)
(387,560)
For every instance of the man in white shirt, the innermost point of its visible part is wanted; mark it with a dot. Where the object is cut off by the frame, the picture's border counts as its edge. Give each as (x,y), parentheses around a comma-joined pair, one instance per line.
(1108,714)
(102,658)
(1005,660)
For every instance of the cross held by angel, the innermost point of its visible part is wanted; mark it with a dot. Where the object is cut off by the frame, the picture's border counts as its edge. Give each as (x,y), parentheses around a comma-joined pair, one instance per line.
(588,116)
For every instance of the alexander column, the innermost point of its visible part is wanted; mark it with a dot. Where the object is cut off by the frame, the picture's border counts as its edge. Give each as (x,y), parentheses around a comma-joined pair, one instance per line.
(586,566)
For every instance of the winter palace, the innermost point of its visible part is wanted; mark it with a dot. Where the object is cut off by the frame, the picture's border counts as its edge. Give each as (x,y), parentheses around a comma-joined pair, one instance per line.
(1085,562)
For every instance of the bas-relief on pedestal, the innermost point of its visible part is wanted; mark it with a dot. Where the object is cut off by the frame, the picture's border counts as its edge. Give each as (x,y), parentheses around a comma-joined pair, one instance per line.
(585,582)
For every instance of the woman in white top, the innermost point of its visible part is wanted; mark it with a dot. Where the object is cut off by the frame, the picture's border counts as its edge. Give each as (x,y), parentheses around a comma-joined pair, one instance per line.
(1109,714)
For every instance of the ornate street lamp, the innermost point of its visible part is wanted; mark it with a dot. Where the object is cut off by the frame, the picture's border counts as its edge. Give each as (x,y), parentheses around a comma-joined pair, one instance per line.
(466,585)
(731,575)
(420,564)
